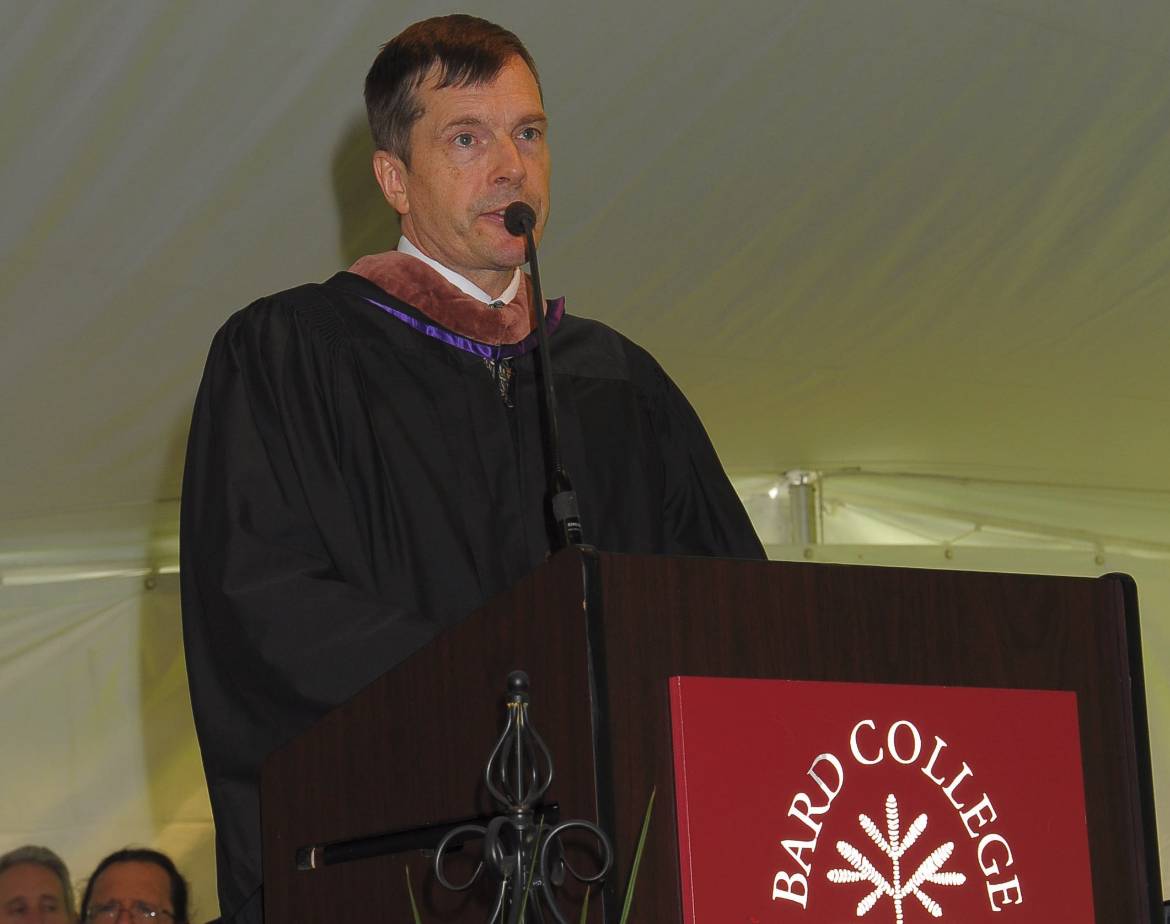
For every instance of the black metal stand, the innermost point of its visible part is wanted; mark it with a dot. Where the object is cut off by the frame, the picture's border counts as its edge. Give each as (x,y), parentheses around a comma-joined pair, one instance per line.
(522,848)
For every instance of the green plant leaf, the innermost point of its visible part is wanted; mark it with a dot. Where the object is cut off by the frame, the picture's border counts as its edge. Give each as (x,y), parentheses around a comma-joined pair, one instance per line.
(410,892)
(637,858)
(585,906)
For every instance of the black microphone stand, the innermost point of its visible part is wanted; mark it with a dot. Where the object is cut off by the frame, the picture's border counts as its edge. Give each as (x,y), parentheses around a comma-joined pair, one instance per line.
(519,220)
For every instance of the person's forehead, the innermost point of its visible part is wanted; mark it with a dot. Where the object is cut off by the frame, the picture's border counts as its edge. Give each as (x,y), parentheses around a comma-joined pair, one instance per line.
(514,87)
(29,879)
(132,880)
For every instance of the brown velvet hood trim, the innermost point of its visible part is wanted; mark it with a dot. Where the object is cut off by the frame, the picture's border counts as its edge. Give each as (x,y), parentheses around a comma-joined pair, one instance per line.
(409,279)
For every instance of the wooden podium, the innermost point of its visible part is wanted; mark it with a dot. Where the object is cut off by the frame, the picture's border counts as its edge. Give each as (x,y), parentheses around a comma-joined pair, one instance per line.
(599,635)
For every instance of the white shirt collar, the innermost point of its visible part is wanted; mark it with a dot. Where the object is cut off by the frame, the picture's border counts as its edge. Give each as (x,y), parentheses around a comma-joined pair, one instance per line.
(462,283)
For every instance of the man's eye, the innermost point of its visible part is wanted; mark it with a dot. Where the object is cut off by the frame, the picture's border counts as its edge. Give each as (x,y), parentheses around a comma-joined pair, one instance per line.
(530,134)
(464,140)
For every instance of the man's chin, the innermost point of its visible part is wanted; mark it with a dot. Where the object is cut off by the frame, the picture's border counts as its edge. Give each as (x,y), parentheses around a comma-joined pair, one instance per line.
(511,255)
(498,247)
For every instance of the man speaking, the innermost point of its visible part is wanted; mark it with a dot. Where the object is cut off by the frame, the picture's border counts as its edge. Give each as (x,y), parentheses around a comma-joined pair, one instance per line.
(366,462)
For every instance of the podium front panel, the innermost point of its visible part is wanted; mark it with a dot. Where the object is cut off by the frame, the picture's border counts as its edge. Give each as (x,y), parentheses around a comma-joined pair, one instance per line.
(601,635)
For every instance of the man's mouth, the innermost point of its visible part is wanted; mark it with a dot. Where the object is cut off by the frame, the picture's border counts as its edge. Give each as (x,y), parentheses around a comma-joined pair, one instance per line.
(497,215)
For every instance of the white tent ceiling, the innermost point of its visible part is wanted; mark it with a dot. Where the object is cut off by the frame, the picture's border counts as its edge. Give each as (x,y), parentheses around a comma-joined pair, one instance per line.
(927,234)
(921,236)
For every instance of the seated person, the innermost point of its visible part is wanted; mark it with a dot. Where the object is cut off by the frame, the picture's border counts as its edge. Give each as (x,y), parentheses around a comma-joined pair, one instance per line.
(35,886)
(141,882)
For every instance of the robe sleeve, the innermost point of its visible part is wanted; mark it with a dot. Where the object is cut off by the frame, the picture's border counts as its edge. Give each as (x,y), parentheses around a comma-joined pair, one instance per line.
(282,615)
(702,513)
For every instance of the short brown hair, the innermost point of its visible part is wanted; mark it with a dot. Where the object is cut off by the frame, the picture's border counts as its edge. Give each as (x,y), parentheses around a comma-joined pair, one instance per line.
(465,50)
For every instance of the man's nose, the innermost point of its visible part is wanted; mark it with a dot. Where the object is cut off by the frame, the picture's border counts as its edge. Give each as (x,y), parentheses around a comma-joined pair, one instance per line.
(509,167)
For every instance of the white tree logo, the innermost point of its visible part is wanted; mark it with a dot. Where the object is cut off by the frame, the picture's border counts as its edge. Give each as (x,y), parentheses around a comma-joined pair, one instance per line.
(893,846)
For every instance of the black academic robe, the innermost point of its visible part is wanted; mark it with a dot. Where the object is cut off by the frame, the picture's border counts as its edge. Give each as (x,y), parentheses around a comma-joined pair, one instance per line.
(354,486)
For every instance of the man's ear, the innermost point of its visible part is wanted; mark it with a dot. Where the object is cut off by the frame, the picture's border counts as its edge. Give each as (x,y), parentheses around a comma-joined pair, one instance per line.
(390,173)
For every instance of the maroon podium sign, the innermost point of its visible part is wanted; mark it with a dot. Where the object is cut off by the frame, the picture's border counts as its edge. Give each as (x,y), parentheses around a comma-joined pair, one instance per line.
(813,801)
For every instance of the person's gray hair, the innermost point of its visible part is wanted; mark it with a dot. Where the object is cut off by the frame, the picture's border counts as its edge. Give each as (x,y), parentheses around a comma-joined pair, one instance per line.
(43,856)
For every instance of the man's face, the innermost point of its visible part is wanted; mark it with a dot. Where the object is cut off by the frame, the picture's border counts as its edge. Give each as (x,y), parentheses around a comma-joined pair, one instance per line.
(31,893)
(474,150)
(131,885)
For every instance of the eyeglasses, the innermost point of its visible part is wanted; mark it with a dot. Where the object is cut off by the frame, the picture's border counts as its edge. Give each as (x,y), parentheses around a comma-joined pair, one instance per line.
(138,912)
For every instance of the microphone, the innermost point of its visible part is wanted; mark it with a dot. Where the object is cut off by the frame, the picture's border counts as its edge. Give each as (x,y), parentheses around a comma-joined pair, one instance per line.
(519,221)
